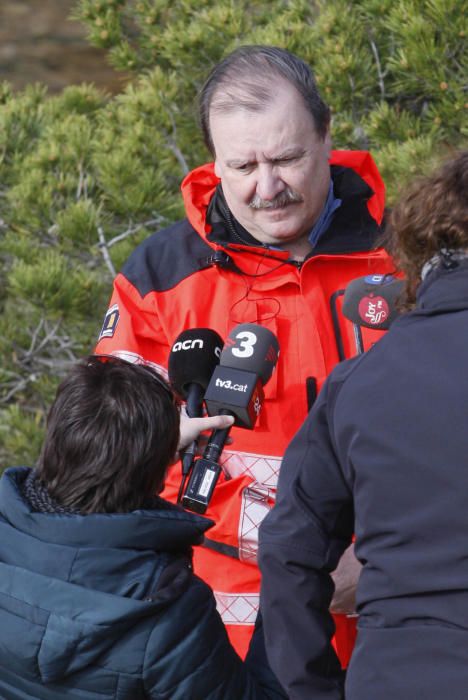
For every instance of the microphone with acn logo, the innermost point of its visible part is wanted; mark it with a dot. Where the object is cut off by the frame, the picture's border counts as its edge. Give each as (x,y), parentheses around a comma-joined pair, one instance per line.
(192,359)
(247,362)
(371,302)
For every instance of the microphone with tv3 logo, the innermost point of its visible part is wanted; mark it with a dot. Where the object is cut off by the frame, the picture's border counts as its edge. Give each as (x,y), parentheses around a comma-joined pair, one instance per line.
(371,302)
(193,357)
(247,362)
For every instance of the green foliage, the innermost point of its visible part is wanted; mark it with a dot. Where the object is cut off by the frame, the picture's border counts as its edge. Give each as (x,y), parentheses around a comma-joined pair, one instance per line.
(400,162)
(20,121)
(77,224)
(391,71)
(21,435)
(84,176)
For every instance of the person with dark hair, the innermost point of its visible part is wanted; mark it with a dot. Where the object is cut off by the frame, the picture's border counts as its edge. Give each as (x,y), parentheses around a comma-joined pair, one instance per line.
(384,454)
(276,227)
(98,598)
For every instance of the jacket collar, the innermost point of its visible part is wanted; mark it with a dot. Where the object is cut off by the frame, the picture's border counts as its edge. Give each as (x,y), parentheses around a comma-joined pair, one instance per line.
(354,227)
(171,528)
(444,289)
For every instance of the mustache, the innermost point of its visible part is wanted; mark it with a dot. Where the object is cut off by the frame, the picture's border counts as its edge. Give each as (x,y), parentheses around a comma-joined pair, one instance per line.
(282,199)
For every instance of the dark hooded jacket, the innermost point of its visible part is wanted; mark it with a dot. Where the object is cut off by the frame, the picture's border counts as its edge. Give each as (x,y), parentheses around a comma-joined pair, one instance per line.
(107,606)
(383,453)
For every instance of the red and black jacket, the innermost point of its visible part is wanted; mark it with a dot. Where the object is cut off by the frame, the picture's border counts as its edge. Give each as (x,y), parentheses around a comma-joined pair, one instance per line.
(206,271)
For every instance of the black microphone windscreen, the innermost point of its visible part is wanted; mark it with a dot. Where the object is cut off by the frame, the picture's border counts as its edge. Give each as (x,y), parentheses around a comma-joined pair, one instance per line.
(251,348)
(193,357)
(370,301)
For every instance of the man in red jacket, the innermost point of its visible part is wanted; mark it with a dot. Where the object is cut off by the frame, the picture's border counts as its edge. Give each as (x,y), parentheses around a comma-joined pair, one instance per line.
(276,227)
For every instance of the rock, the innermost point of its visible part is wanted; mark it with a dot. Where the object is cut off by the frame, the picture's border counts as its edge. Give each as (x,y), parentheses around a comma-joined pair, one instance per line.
(39,43)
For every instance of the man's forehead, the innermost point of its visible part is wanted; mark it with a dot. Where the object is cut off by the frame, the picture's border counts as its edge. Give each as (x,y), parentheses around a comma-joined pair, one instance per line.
(283,123)
(265,141)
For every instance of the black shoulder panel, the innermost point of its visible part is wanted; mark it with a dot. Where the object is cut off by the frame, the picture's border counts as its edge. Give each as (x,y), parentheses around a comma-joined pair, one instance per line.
(166,258)
(352,228)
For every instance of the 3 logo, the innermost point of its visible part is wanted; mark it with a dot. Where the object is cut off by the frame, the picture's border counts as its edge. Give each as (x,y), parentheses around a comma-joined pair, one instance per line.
(246,344)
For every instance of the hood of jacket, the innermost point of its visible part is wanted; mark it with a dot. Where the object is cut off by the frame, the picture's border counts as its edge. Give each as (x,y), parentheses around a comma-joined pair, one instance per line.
(199,186)
(83,581)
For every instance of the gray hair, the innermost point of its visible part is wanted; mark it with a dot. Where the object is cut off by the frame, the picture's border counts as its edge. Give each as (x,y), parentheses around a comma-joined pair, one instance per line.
(247,78)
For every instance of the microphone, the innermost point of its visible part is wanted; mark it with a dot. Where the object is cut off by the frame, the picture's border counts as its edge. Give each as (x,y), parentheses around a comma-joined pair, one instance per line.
(370,302)
(192,359)
(247,362)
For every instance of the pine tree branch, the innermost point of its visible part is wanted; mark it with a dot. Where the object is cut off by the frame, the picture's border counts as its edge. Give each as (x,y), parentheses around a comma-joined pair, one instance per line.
(50,335)
(31,359)
(34,337)
(82,187)
(52,354)
(105,251)
(159,220)
(19,386)
(104,245)
(379,67)
(172,145)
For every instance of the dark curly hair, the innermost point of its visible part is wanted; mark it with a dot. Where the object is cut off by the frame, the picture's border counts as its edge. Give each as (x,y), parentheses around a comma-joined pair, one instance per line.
(432,215)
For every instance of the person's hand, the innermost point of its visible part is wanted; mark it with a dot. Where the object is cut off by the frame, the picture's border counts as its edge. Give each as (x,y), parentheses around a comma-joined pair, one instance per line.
(346,577)
(190,428)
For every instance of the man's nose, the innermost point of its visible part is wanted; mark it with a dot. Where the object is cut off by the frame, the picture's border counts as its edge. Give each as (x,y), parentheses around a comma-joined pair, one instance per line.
(269,183)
